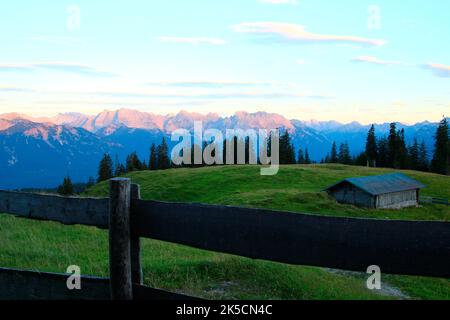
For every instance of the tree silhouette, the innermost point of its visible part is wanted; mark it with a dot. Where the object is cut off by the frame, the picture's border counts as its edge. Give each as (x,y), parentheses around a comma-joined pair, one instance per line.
(307,158)
(371,147)
(153,162)
(334,154)
(162,151)
(66,189)
(301,156)
(105,169)
(441,161)
(287,151)
(344,154)
(414,155)
(402,151)
(382,152)
(423,164)
(133,163)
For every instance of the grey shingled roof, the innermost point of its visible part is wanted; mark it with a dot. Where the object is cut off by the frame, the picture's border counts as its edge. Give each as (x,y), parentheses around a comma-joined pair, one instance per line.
(387,183)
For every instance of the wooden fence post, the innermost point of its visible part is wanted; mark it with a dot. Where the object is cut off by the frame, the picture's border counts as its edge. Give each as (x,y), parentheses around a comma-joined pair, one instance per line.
(136,268)
(119,239)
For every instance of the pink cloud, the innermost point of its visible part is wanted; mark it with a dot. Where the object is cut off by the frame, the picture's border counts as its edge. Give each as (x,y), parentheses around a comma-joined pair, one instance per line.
(197,40)
(439,70)
(297,33)
(374,60)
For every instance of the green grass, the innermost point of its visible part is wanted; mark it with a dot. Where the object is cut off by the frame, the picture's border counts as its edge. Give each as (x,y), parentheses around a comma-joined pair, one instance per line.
(49,246)
(295,188)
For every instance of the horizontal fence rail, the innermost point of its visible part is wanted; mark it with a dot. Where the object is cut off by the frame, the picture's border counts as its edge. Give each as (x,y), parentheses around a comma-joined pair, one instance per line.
(66,210)
(17,284)
(397,247)
(434,200)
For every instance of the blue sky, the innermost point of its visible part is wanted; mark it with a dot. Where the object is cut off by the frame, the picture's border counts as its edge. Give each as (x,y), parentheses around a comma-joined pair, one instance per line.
(349,60)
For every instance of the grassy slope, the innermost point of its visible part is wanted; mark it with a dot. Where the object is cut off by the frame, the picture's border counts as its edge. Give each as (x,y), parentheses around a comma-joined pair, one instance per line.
(52,247)
(295,188)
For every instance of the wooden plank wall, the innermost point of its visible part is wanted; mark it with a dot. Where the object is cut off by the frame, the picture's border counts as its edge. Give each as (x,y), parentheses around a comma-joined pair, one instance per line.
(29,285)
(66,210)
(397,247)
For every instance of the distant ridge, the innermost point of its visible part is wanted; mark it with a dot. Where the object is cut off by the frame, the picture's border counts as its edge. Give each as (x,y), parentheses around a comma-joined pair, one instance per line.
(184,119)
(39,152)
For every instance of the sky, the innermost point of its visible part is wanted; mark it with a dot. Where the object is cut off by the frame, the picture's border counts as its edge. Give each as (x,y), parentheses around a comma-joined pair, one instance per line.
(349,60)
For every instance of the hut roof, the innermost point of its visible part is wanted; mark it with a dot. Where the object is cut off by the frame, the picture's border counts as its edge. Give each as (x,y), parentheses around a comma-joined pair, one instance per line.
(382,184)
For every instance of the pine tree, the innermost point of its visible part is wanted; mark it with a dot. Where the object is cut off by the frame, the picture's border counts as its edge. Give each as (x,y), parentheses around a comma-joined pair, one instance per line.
(163,155)
(402,151)
(371,147)
(287,150)
(105,169)
(441,158)
(153,162)
(291,154)
(382,152)
(66,189)
(397,153)
(423,164)
(301,157)
(307,158)
(283,148)
(334,154)
(224,152)
(344,154)
(247,150)
(269,145)
(361,159)
(392,146)
(133,163)
(144,165)
(413,156)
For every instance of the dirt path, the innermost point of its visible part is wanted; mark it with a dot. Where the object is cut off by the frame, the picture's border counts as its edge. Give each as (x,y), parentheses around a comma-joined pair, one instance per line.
(386,288)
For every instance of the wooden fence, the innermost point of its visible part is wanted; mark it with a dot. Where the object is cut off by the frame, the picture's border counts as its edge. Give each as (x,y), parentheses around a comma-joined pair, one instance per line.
(397,247)
(434,200)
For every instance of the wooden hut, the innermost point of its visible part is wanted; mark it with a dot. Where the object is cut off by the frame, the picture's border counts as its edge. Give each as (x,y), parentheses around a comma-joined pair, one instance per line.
(389,191)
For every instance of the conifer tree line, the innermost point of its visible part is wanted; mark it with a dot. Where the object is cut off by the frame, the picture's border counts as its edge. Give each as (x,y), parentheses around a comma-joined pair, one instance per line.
(339,155)
(158,160)
(385,152)
(393,152)
(68,188)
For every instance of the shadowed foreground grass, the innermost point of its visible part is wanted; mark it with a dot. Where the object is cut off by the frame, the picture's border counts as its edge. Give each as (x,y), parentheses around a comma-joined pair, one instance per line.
(49,246)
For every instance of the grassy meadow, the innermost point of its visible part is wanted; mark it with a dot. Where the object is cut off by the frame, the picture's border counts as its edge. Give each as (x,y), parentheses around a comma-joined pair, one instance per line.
(48,246)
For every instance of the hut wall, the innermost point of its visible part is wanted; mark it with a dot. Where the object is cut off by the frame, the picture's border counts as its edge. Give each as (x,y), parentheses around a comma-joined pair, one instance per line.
(397,200)
(349,194)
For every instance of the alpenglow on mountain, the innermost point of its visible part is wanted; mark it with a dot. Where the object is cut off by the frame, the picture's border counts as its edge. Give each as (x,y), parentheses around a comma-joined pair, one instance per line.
(39,152)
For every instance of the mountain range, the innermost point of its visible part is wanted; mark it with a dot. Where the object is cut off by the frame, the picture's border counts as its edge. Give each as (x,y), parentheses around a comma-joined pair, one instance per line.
(39,152)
